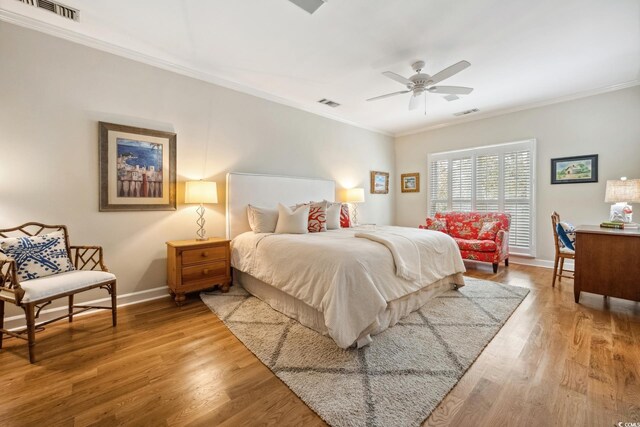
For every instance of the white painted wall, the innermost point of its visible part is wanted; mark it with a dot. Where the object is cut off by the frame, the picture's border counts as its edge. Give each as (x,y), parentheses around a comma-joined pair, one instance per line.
(607,125)
(53,93)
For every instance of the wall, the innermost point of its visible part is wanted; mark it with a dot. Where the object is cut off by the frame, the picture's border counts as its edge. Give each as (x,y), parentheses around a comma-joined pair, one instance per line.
(606,124)
(53,93)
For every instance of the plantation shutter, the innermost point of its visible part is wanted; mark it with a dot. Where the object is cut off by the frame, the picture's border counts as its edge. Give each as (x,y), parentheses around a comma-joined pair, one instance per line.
(497,178)
(517,196)
(439,186)
(487,183)
(461,184)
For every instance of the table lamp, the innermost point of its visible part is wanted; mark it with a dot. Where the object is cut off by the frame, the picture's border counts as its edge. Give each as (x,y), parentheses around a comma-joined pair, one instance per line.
(201,192)
(621,192)
(355,196)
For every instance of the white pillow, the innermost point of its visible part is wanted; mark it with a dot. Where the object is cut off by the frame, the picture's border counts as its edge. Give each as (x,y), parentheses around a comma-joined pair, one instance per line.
(333,215)
(262,220)
(292,221)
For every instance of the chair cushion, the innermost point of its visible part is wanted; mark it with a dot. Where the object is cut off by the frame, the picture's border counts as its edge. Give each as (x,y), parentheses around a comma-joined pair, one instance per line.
(46,287)
(434,224)
(567,251)
(489,230)
(476,245)
(38,256)
(566,235)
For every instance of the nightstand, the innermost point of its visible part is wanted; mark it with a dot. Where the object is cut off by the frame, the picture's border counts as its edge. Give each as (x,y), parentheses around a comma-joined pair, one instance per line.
(194,265)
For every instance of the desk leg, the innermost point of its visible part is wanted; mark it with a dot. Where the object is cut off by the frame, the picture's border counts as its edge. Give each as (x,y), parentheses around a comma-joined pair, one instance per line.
(576,293)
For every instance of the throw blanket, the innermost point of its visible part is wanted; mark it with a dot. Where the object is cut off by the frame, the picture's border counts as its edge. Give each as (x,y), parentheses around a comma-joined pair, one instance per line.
(405,253)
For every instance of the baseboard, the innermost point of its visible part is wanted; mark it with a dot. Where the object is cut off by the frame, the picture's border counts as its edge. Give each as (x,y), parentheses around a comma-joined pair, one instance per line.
(537,262)
(15,322)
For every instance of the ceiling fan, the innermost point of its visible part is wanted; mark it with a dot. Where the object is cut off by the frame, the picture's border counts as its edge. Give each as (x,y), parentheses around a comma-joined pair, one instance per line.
(419,84)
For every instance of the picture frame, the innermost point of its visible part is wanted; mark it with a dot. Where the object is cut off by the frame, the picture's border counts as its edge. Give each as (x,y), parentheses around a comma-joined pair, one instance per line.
(379,182)
(410,182)
(574,169)
(137,169)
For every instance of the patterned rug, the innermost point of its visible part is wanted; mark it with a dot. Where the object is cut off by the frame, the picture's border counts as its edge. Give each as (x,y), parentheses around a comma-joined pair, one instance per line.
(400,378)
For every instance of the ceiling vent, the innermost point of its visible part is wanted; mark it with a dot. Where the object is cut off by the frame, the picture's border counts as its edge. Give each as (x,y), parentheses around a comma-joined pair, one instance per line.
(464,113)
(309,5)
(57,8)
(329,102)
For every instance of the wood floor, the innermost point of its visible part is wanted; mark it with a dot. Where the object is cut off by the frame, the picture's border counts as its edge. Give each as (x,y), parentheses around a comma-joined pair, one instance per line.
(553,363)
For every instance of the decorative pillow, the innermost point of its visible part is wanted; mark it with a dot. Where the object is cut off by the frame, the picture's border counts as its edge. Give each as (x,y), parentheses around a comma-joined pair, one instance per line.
(345,219)
(38,256)
(567,235)
(317,216)
(262,220)
(437,224)
(333,215)
(292,221)
(489,230)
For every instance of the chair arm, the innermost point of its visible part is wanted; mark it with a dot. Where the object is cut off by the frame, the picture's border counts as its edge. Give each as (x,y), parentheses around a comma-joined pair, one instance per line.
(88,258)
(502,241)
(9,282)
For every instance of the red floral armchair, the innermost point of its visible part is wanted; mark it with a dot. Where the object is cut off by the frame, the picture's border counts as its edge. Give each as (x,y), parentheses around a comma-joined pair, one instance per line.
(465,228)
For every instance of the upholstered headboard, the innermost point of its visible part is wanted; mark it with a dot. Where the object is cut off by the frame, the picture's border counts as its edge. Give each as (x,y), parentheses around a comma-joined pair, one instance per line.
(267,191)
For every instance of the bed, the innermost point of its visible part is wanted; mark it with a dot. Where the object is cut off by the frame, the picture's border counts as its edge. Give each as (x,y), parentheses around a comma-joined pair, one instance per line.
(337,282)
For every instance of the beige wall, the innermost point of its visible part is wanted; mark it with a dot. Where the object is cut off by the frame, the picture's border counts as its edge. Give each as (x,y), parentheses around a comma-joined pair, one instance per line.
(52,95)
(607,125)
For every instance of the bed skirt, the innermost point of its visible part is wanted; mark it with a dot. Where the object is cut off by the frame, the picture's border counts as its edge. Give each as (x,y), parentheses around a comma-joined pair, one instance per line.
(314,319)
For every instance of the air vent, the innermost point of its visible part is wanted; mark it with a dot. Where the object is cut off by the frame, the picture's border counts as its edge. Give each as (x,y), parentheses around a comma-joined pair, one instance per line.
(309,5)
(464,113)
(57,8)
(329,102)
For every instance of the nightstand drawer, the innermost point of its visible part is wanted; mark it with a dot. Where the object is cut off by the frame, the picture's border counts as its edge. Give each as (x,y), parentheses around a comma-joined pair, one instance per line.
(204,271)
(196,256)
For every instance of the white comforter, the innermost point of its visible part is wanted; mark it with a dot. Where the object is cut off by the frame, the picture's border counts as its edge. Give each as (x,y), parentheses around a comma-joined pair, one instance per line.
(350,280)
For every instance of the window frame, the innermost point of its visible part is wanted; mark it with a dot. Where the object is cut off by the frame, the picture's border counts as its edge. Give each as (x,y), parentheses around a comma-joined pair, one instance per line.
(500,150)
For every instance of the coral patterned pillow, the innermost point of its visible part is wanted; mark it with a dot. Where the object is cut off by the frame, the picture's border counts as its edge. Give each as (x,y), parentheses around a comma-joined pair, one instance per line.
(345,219)
(437,224)
(317,216)
(489,230)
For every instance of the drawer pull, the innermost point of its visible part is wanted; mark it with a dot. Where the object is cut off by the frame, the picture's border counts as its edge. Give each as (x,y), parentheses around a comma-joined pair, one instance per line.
(205,271)
(205,254)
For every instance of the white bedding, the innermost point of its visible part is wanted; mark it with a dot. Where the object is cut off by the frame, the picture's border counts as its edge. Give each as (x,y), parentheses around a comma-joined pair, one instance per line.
(350,280)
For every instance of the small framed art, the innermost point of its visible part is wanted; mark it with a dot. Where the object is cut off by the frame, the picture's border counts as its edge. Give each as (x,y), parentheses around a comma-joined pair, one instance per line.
(574,170)
(137,169)
(410,182)
(379,182)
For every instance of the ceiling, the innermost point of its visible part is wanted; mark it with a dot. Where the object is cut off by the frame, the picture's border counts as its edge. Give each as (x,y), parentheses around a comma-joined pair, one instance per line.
(522,52)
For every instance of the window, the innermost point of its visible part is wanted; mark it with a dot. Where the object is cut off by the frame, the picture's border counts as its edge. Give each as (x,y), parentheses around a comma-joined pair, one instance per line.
(488,179)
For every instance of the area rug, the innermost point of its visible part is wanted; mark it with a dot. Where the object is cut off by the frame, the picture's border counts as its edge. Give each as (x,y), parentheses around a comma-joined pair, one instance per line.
(400,378)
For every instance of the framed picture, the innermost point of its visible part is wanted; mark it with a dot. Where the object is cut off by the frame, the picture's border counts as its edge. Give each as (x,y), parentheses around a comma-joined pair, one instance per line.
(137,169)
(574,170)
(379,182)
(410,182)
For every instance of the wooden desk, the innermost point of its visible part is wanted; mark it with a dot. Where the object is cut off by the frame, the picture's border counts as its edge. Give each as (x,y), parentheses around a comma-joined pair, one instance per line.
(607,262)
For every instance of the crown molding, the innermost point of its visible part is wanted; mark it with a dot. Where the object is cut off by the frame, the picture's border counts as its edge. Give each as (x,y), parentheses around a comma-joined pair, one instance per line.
(530,106)
(63,33)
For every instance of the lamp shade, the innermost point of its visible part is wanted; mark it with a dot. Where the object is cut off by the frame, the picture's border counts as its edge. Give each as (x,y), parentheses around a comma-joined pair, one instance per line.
(355,195)
(200,192)
(623,190)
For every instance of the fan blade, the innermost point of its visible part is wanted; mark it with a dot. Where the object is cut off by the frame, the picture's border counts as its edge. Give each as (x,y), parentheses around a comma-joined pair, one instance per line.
(453,90)
(398,78)
(388,95)
(416,100)
(451,97)
(448,72)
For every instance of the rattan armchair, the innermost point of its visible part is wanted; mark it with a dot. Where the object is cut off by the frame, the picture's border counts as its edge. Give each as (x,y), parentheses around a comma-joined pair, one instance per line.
(90,273)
